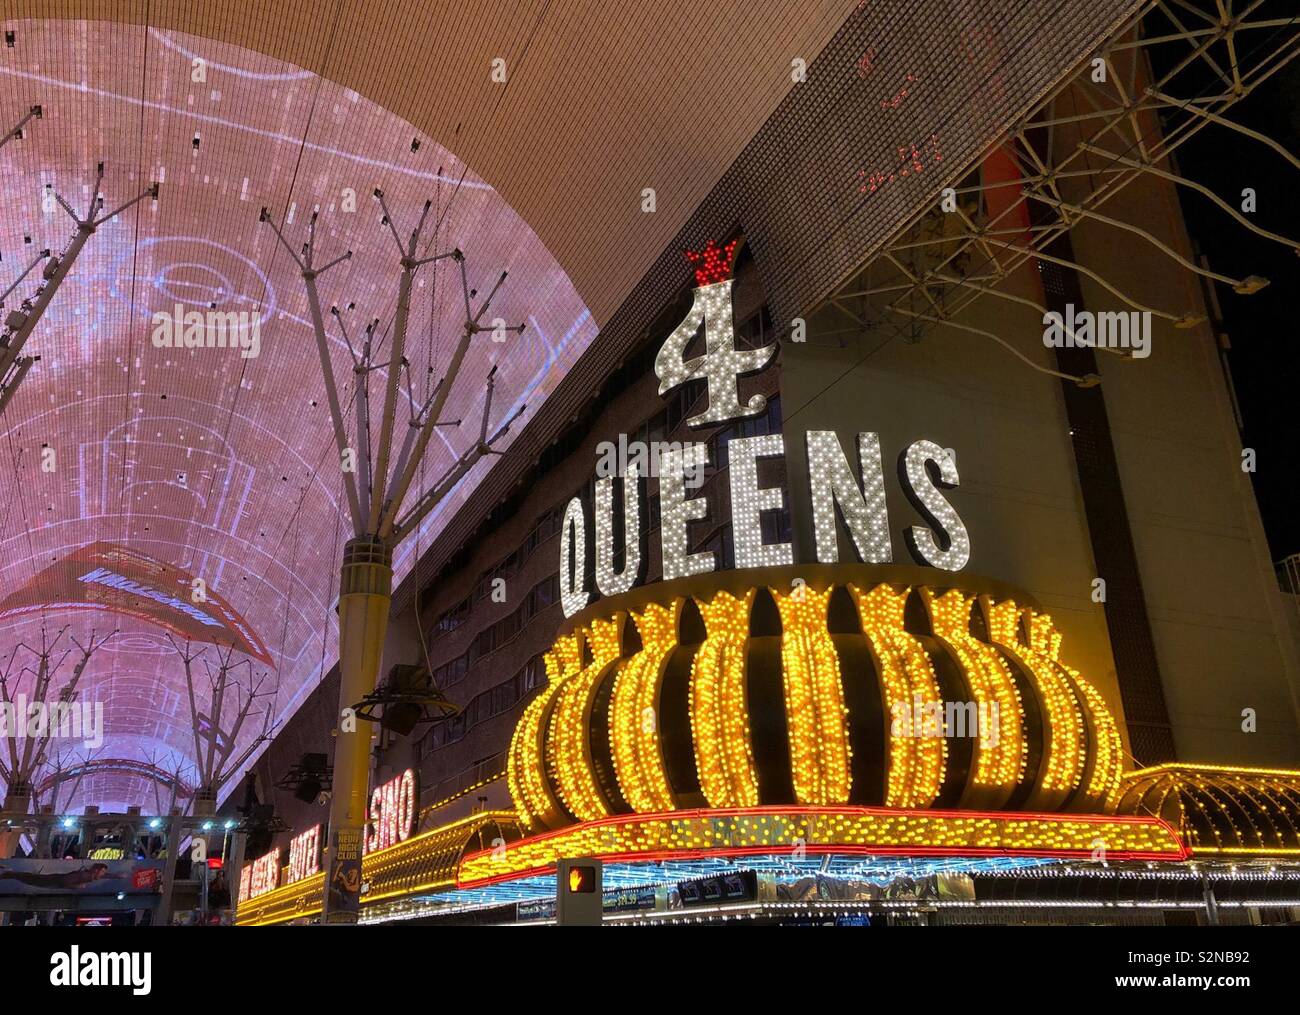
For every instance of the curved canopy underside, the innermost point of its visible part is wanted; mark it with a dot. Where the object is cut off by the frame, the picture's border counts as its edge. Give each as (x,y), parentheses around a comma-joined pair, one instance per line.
(131,462)
(539,130)
(569,110)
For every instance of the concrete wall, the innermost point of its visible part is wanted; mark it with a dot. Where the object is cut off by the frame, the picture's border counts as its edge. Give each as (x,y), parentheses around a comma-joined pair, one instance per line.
(1222,639)
(1019,495)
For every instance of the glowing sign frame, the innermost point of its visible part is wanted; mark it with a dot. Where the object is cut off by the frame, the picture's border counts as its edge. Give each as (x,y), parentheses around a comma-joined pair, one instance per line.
(304,855)
(944,543)
(393,812)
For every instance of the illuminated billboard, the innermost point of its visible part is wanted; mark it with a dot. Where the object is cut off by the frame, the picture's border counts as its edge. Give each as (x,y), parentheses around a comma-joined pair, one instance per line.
(112,579)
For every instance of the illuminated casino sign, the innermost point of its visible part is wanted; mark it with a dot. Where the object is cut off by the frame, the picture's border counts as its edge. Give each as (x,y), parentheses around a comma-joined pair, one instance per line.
(113,579)
(924,470)
(260,876)
(304,855)
(392,812)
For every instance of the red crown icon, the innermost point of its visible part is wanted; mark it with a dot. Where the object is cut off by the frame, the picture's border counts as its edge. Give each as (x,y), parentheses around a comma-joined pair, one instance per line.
(713,263)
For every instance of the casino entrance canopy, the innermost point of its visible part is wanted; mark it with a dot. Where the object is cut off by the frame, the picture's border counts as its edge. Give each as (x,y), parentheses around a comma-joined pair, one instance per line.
(137,472)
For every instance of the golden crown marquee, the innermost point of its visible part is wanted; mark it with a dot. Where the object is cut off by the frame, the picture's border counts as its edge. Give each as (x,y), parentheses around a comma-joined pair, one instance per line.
(811,709)
(783,708)
(836,685)
(815,686)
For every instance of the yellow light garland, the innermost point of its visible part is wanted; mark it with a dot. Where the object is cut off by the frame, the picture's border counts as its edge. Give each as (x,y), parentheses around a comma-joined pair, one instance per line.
(634,712)
(998,766)
(1063,728)
(816,716)
(1104,760)
(567,741)
(724,754)
(525,775)
(853,829)
(916,764)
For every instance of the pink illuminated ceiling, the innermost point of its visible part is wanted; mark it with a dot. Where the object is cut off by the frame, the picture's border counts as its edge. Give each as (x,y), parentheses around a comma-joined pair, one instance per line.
(215,465)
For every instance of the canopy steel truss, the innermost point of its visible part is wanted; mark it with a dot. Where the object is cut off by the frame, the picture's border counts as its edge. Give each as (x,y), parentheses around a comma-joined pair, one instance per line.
(946,258)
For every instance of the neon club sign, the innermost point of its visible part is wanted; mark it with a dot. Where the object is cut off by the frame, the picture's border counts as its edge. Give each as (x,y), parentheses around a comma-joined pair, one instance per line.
(925,470)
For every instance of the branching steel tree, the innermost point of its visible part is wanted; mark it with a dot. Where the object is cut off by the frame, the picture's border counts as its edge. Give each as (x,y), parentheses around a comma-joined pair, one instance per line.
(20,323)
(65,767)
(25,683)
(15,133)
(232,692)
(376,503)
(176,773)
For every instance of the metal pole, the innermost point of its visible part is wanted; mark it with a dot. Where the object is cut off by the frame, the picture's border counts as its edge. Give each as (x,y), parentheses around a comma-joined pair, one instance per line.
(169,869)
(17,804)
(233,868)
(331,391)
(1211,906)
(365,599)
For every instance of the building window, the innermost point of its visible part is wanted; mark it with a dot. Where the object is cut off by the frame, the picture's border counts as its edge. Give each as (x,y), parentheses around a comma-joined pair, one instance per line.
(484,706)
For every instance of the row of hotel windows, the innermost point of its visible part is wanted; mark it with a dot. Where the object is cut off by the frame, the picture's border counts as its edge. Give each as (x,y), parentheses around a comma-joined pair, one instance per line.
(540,596)
(547,526)
(482,707)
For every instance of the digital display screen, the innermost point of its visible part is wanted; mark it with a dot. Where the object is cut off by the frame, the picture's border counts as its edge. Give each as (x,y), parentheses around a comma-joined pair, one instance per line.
(204,463)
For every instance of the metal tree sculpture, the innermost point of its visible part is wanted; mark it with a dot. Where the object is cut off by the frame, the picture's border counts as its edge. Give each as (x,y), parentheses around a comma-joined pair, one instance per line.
(19,324)
(215,737)
(176,773)
(27,754)
(375,504)
(27,743)
(64,767)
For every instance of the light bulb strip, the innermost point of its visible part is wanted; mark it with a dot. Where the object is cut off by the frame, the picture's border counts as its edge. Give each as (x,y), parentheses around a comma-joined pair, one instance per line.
(816,716)
(916,764)
(634,712)
(736,832)
(719,707)
(1063,728)
(1103,757)
(525,775)
(1106,753)
(998,766)
(609,581)
(568,745)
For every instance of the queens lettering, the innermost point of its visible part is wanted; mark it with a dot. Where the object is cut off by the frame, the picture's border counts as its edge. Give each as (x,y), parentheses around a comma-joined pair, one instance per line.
(925,471)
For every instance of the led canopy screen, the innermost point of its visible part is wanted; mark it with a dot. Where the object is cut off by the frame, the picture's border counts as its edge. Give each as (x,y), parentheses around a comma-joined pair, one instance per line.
(148,465)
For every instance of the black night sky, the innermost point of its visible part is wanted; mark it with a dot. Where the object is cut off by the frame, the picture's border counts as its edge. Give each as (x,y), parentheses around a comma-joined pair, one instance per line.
(1264,357)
